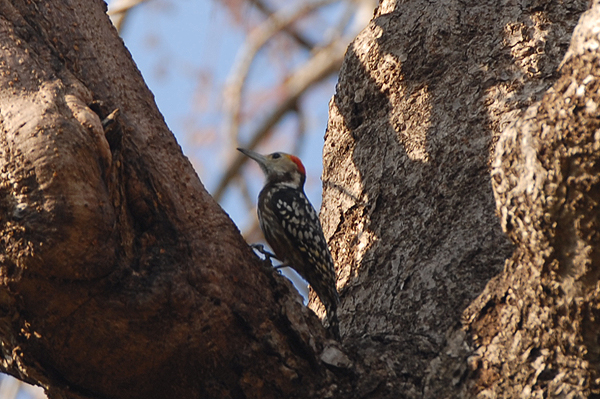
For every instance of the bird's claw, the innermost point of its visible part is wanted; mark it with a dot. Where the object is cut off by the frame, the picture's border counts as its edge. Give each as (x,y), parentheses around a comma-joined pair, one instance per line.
(261,249)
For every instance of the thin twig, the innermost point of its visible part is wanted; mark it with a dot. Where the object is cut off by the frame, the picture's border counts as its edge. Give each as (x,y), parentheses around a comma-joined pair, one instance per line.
(302,41)
(255,41)
(325,62)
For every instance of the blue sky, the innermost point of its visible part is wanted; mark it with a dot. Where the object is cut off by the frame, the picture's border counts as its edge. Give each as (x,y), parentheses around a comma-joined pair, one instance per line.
(185,51)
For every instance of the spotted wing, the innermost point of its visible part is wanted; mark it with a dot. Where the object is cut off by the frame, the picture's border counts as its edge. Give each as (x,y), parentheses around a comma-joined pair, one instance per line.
(302,228)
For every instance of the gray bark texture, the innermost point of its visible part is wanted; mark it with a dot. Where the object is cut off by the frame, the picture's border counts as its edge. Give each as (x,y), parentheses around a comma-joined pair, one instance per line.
(438,301)
(461,192)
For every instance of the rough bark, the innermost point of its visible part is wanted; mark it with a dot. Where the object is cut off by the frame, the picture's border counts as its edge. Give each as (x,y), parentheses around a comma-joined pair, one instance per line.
(426,91)
(536,328)
(119,276)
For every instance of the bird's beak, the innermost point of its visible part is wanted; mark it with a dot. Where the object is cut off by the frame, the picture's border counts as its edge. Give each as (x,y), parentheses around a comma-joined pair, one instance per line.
(261,159)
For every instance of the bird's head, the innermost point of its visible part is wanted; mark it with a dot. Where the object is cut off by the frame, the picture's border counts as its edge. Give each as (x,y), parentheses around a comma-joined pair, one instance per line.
(279,167)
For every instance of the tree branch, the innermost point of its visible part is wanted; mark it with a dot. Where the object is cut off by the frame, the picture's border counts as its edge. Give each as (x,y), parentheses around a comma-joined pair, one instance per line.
(289,30)
(118,10)
(257,38)
(324,63)
(121,276)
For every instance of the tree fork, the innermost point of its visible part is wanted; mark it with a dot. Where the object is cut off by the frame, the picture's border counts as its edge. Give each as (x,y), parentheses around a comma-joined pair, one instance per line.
(120,276)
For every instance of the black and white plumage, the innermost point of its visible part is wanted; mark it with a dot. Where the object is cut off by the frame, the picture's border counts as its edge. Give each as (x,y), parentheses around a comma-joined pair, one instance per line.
(292,228)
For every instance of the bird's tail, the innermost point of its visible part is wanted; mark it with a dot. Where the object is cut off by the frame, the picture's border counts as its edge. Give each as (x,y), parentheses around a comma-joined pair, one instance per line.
(331,305)
(334,324)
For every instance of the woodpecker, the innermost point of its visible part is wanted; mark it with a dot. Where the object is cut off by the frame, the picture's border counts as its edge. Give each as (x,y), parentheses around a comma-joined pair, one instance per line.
(291,227)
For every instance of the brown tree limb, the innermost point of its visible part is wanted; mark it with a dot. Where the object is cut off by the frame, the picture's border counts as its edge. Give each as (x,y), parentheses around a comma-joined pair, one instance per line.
(120,276)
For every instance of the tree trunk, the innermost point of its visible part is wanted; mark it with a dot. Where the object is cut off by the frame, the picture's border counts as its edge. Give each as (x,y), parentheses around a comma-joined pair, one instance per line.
(122,278)
(425,93)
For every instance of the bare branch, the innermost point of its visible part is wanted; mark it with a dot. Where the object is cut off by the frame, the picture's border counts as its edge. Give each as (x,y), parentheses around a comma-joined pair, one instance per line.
(324,63)
(302,41)
(118,10)
(255,41)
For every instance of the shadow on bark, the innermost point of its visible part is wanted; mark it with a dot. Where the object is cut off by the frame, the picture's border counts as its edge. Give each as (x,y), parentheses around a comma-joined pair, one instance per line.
(421,102)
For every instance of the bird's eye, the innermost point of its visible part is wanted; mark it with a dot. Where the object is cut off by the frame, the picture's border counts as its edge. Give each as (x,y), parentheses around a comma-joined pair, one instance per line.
(276,155)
